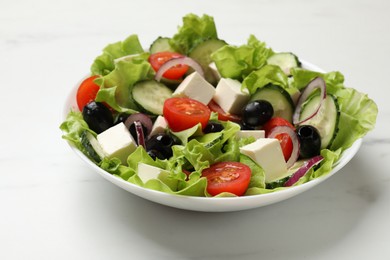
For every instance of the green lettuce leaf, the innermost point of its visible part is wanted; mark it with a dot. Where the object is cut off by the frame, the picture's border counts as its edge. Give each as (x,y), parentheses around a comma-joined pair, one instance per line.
(268,74)
(301,77)
(104,63)
(76,131)
(357,112)
(73,127)
(115,87)
(185,135)
(115,167)
(238,62)
(194,30)
(196,188)
(258,176)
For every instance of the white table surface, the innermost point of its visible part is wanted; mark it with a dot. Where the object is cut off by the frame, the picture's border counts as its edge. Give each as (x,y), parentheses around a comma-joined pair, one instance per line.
(52,206)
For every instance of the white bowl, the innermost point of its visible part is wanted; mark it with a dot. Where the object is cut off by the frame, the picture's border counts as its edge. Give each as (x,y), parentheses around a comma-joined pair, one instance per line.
(224,204)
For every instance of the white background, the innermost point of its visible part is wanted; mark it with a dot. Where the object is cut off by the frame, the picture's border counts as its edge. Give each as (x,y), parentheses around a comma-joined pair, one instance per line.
(52,206)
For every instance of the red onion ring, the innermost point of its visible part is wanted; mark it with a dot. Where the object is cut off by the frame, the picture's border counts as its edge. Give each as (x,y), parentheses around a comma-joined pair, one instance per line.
(178,61)
(315,83)
(140,133)
(142,118)
(307,165)
(287,130)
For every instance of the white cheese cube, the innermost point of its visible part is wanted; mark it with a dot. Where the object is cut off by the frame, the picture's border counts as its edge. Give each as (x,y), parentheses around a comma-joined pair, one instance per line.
(229,97)
(247,133)
(267,153)
(196,87)
(147,172)
(159,126)
(117,142)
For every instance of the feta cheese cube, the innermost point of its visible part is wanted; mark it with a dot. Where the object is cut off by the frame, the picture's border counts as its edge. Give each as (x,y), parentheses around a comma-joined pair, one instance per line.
(117,142)
(196,87)
(229,97)
(247,133)
(147,172)
(267,153)
(159,126)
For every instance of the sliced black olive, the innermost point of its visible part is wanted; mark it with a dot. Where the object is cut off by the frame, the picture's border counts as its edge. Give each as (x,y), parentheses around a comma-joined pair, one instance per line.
(257,112)
(156,154)
(162,143)
(244,126)
(98,117)
(310,141)
(121,118)
(213,127)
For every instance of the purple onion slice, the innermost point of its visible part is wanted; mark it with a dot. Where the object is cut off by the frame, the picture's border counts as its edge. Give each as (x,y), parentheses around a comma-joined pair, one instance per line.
(307,165)
(178,61)
(140,133)
(143,119)
(314,84)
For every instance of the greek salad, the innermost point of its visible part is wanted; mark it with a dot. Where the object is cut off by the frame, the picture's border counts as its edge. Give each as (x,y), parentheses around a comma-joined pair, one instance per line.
(194,115)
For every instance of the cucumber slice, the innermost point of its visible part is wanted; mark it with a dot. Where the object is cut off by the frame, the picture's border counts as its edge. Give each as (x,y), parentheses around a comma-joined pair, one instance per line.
(326,120)
(150,95)
(161,44)
(91,147)
(279,98)
(285,60)
(201,54)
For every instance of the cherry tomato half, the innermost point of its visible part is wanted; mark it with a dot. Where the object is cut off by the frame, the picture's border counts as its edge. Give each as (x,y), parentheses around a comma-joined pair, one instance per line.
(184,113)
(233,177)
(222,115)
(276,121)
(284,139)
(87,92)
(286,145)
(159,58)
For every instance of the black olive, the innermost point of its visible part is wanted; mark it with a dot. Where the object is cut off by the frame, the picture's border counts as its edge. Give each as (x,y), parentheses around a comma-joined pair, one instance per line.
(244,126)
(98,117)
(213,127)
(156,154)
(162,143)
(310,141)
(257,112)
(121,118)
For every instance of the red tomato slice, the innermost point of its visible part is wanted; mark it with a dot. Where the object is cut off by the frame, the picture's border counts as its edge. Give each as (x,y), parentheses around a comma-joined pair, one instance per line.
(159,58)
(284,139)
(184,113)
(230,177)
(286,144)
(276,121)
(86,92)
(222,115)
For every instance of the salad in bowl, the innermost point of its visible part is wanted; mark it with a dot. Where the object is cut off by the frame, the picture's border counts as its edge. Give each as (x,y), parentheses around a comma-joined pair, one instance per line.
(195,116)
